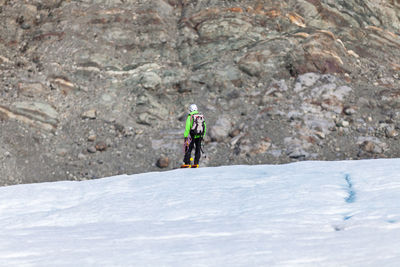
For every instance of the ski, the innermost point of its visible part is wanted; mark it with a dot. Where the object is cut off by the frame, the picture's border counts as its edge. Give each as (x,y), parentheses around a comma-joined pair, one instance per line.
(189,166)
(186,166)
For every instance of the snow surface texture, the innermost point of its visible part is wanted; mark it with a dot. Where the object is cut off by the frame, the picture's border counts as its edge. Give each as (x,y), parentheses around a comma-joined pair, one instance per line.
(303,214)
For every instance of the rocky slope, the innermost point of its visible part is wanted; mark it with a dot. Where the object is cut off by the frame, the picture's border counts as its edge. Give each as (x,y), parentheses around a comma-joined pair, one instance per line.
(93,88)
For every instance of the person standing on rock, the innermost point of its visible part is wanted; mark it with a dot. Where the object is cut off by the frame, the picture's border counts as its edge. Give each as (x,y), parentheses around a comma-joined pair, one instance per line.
(195,131)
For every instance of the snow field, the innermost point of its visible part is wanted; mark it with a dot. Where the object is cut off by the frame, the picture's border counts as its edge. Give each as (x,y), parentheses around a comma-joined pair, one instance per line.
(343,213)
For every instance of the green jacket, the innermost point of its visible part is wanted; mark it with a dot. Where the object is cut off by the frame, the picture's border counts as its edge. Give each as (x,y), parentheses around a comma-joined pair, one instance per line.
(189,125)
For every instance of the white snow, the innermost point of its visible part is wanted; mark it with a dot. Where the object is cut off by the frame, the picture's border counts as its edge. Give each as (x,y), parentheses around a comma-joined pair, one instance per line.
(343,213)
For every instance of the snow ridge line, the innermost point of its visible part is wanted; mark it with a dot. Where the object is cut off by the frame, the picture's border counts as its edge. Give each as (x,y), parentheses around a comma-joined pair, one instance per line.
(351,198)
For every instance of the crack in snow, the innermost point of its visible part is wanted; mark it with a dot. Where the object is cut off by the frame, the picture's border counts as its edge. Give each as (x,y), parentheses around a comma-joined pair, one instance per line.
(351,198)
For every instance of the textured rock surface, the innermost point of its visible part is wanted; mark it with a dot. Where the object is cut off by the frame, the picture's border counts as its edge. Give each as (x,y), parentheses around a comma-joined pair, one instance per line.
(101,87)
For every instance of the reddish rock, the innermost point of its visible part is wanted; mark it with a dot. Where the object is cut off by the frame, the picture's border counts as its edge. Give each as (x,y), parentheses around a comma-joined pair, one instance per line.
(163,162)
(101,146)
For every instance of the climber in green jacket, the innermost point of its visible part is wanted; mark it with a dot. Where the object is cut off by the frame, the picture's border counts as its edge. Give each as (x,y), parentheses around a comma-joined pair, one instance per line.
(195,131)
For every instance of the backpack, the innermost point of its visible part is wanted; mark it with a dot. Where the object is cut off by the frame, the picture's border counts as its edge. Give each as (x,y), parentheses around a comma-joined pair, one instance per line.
(198,124)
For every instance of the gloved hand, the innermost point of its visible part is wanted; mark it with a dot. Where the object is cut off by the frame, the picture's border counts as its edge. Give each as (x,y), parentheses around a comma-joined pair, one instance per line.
(185,144)
(187,140)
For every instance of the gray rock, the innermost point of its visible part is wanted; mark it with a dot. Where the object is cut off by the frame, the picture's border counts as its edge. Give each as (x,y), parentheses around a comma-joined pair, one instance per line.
(321,135)
(89,114)
(220,131)
(223,28)
(150,80)
(391,132)
(349,111)
(306,80)
(62,151)
(34,89)
(372,145)
(82,156)
(145,119)
(343,123)
(163,8)
(63,85)
(261,147)
(295,148)
(92,138)
(297,153)
(91,149)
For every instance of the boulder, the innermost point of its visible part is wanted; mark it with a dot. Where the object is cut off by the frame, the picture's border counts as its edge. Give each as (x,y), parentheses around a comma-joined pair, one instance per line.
(295,148)
(321,52)
(220,131)
(371,146)
(162,162)
(150,80)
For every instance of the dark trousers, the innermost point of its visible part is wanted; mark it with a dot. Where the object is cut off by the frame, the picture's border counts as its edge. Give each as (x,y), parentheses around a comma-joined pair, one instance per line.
(196,142)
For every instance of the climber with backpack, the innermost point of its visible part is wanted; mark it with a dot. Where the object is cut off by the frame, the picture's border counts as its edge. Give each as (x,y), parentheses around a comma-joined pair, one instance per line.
(195,131)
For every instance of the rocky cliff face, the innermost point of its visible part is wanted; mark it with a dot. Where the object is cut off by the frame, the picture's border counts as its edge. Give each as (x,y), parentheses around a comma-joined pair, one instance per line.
(93,88)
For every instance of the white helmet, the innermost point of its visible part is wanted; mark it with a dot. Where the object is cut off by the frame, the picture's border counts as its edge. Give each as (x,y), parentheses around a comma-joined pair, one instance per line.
(192,108)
